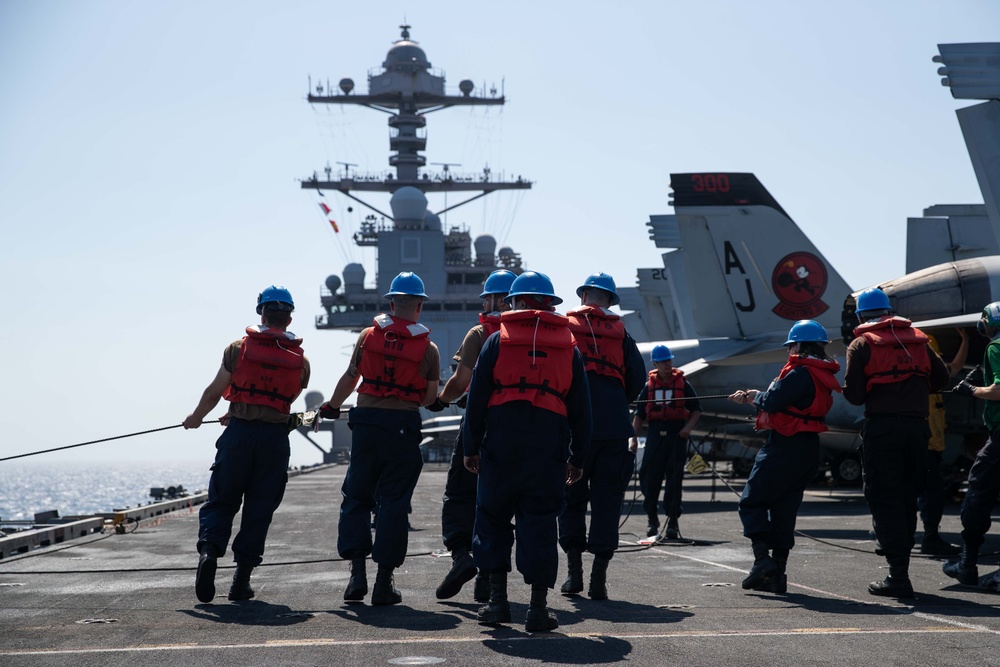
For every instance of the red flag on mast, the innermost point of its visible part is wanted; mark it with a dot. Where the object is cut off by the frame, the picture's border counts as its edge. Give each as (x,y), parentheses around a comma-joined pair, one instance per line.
(335,227)
(326,209)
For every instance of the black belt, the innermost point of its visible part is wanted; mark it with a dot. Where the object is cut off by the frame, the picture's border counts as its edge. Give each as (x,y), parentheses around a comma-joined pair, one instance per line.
(896,416)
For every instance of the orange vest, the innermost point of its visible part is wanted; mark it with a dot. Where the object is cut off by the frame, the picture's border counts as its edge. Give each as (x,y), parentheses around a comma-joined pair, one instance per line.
(490,322)
(790,421)
(390,359)
(535,362)
(269,370)
(600,336)
(656,388)
(898,351)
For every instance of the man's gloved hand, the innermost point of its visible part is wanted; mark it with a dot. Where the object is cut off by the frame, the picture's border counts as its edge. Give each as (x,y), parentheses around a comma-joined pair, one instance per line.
(438,405)
(975,376)
(963,388)
(327,411)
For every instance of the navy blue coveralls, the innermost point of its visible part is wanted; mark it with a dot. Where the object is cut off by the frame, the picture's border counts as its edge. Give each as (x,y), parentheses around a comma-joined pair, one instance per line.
(664,458)
(608,463)
(782,469)
(523,453)
(385,465)
(251,467)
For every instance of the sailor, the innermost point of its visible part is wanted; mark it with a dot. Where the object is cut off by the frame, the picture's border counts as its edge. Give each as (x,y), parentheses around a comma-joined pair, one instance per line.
(526,430)
(458,511)
(670,423)
(615,374)
(984,475)
(891,370)
(261,375)
(399,370)
(792,409)
(932,497)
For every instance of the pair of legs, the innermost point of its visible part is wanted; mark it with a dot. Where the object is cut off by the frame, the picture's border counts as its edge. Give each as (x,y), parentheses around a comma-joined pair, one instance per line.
(893,456)
(663,468)
(984,485)
(770,503)
(607,469)
(250,470)
(385,466)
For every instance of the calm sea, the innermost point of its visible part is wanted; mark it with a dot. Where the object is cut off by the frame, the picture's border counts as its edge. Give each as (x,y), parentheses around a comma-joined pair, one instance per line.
(84,488)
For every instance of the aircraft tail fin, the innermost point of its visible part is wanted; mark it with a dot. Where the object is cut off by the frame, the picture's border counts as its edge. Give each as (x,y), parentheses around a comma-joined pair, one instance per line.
(750,269)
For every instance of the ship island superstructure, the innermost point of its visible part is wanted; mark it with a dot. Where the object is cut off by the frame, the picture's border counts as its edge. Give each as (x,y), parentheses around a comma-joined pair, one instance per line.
(452,265)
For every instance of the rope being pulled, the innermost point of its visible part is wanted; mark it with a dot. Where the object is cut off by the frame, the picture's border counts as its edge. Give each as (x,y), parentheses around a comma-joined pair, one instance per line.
(308,418)
(94,442)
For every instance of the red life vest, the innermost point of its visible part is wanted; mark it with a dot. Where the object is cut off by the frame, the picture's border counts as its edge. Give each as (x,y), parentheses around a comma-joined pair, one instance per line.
(600,336)
(535,362)
(490,322)
(269,370)
(390,359)
(898,351)
(656,390)
(790,421)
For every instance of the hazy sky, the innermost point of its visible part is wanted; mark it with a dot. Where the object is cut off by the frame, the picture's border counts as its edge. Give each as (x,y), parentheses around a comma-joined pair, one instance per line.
(150,156)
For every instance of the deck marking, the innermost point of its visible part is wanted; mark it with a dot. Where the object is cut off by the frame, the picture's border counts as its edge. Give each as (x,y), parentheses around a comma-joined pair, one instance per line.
(305,643)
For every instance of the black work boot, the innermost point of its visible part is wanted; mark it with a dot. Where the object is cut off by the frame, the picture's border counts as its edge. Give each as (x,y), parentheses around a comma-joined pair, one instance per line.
(964,569)
(653,527)
(574,574)
(385,592)
(933,545)
(462,570)
(673,529)
(897,584)
(204,581)
(539,618)
(240,590)
(763,566)
(892,587)
(357,585)
(774,583)
(481,590)
(599,579)
(990,583)
(497,610)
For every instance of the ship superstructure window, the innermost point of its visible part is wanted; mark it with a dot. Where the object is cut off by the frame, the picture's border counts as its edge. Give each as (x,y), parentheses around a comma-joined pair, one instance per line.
(409,252)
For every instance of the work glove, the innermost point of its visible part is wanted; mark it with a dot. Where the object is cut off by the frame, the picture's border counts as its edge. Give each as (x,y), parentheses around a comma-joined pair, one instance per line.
(975,376)
(327,411)
(963,388)
(437,406)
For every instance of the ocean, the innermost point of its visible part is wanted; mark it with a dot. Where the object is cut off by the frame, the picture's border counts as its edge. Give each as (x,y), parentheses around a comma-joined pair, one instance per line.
(88,487)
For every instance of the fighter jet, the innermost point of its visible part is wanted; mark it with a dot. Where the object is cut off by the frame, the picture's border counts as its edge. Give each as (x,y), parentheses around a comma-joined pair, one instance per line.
(741,272)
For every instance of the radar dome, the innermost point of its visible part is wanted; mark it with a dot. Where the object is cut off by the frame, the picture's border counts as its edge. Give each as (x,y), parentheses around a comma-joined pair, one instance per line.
(466,86)
(405,52)
(354,276)
(313,399)
(347,85)
(408,203)
(485,245)
(432,222)
(506,252)
(333,283)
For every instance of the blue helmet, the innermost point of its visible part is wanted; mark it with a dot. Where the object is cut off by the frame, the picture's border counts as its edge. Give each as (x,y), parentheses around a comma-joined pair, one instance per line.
(806,331)
(498,282)
(532,283)
(275,298)
(406,283)
(991,313)
(661,353)
(872,299)
(601,281)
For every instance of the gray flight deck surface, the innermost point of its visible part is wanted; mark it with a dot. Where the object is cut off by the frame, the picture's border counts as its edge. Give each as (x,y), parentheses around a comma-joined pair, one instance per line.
(670,604)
